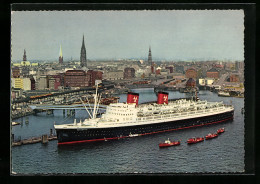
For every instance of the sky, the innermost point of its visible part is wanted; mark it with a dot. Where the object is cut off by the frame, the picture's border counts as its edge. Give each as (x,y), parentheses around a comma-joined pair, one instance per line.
(172,34)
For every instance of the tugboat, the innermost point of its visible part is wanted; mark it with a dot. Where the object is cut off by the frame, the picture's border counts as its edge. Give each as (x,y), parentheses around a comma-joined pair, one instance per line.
(168,143)
(211,136)
(221,130)
(195,140)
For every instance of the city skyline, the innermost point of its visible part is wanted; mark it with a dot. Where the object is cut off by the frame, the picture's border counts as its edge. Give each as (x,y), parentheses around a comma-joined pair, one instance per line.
(172,35)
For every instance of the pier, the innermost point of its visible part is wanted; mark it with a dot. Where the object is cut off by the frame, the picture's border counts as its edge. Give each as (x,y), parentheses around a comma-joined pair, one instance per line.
(45,138)
(41,139)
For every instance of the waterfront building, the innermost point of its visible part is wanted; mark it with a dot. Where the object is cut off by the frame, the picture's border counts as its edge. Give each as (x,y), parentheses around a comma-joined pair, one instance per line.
(206,81)
(139,73)
(60,56)
(16,92)
(25,72)
(230,66)
(202,82)
(158,71)
(170,68)
(210,81)
(220,66)
(113,74)
(50,82)
(32,72)
(15,72)
(234,78)
(76,78)
(191,83)
(164,72)
(83,55)
(32,83)
(26,84)
(93,76)
(191,73)
(54,81)
(41,82)
(17,83)
(34,64)
(152,68)
(239,65)
(178,76)
(179,68)
(57,83)
(213,73)
(129,73)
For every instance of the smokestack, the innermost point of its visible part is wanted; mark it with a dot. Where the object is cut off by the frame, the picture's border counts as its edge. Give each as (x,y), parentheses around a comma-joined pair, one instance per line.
(132,98)
(162,98)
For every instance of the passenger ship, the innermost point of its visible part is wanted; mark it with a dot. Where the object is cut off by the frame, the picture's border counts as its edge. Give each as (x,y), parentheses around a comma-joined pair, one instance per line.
(131,119)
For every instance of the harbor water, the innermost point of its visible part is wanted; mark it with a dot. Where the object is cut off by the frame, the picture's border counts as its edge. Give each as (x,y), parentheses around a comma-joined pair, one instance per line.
(132,155)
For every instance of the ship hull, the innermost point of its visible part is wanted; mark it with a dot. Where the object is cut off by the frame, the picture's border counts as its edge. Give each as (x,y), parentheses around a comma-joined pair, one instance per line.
(72,136)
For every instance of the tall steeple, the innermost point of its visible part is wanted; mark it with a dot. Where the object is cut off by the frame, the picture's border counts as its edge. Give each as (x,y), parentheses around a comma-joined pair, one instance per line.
(83,55)
(60,57)
(150,62)
(24,56)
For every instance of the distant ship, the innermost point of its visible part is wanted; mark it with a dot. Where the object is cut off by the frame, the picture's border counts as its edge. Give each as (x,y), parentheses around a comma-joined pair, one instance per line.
(223,93)
(123,120)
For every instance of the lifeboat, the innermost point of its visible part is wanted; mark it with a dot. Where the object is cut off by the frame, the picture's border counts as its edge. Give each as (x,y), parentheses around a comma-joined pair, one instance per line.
(211,136)
(221,130)
(168,143)
(195,140)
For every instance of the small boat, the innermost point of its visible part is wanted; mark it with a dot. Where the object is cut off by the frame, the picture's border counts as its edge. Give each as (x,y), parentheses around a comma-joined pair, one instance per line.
(224,93)
(195,140)
(15,123)
(168,143)
(211,136)
(133,135)
(221,130)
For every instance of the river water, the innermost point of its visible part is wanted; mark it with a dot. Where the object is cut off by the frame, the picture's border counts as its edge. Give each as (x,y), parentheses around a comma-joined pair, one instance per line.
(133,155)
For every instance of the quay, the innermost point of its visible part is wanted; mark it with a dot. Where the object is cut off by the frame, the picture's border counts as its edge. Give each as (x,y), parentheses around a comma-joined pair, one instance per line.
(43,139)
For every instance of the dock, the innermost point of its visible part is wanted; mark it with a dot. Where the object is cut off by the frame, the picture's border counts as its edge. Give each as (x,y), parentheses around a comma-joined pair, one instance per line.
(42,139)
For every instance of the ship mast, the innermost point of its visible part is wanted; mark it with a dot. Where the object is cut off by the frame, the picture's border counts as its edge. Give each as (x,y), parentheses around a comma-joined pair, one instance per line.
(95,104)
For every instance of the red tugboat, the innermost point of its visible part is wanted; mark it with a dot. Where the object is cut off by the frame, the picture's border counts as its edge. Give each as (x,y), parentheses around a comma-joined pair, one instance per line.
(168,143)
(195,140)
(221,130)
(211,136)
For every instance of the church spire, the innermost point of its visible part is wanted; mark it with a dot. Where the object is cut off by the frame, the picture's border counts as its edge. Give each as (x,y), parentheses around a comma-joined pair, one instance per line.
(24,56)
(60,57)
(60,51)
(83,55)
(150,55)
(150,62)
(83,43)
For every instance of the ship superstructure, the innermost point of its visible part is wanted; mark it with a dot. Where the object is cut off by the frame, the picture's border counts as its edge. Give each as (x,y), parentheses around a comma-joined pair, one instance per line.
(132,119)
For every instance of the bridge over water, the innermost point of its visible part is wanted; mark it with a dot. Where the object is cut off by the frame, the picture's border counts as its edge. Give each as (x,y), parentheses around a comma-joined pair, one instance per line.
(62,107)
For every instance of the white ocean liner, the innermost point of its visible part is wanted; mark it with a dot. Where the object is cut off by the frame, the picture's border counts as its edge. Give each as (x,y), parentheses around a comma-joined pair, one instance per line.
(131,119)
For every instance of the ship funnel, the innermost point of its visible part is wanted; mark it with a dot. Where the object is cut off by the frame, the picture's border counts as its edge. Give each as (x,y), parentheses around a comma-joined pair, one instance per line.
(132,98)
(162,98)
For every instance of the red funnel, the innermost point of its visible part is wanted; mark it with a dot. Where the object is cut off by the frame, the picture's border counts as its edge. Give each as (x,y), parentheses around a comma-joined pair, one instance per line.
(162,98)
(132,98)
